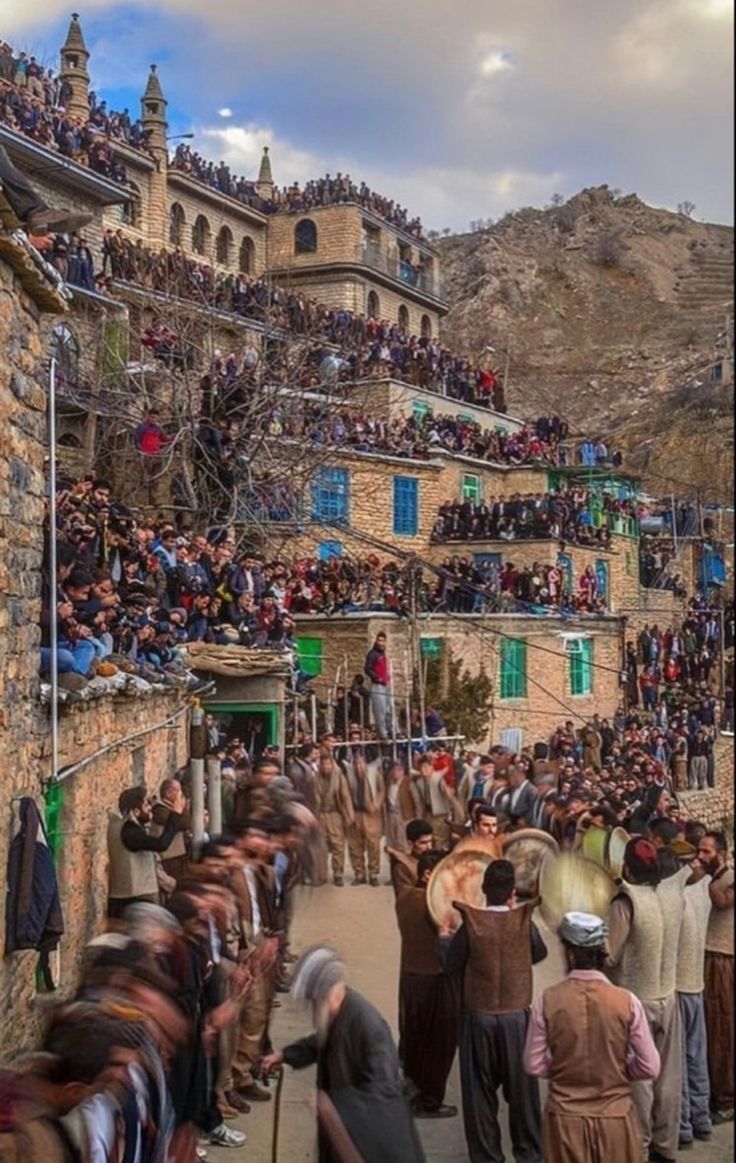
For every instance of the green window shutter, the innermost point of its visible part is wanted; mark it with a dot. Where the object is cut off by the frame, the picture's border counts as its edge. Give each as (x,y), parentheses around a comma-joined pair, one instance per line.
(580,653)
(513,668)
(419,409)
(470,488)
(431,647)
(309,653)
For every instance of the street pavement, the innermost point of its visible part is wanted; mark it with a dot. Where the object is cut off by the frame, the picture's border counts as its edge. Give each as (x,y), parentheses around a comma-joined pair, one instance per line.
(359,922)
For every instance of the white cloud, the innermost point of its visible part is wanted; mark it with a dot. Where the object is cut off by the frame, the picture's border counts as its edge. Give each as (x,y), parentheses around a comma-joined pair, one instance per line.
(495,62)
(224,112)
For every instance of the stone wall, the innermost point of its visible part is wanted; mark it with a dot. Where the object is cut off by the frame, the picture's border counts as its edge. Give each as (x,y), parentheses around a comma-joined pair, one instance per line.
(22,720)
(714,806)
(159,747)
(339,237)
(477,641)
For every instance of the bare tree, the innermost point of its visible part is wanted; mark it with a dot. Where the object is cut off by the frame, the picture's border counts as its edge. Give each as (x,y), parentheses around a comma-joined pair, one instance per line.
(687,208)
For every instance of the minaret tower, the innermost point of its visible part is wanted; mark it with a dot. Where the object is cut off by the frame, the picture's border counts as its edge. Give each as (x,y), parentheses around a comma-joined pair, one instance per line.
(153,119)
(264,185)
(73,71)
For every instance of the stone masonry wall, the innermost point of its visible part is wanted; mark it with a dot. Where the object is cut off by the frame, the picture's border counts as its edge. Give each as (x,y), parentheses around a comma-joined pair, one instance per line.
(715,806)
(22,721)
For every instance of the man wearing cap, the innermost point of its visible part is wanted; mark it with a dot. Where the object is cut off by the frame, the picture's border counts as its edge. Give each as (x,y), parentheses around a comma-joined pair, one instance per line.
(645,922)
(591,1040)
(361,1108)
(718,974)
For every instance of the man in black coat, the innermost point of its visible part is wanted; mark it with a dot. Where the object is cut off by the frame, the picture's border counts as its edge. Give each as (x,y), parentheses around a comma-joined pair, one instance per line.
(357,1067)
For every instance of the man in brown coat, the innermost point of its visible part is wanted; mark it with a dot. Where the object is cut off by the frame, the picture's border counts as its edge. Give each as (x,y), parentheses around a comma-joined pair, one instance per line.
(429,1000)
(328,796)
(405,865)
(367,793)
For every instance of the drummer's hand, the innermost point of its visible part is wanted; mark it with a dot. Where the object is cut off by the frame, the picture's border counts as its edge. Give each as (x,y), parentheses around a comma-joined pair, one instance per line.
(444,931)
(272,1061)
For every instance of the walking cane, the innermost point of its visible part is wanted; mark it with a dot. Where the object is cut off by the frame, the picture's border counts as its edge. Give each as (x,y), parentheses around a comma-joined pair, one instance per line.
(277,1115)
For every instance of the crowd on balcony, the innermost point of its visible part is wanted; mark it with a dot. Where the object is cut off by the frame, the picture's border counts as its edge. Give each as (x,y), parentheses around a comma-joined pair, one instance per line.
(469,587)
(576,515)
(218,176)
(33,101)
(340,188)
(413,437)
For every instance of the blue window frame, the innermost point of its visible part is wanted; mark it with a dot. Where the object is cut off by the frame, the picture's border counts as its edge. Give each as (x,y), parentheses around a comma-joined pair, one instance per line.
(406,506)
(328,549)
(331,495)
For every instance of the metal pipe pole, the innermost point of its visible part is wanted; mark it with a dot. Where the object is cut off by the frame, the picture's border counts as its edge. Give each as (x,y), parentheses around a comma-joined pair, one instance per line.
(214,794)
(314,717)
(197,749)
(53,584)
(674,525)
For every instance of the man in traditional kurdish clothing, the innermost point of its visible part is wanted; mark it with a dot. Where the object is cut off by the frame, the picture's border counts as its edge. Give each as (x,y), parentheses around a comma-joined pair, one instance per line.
(362,1111)
(495,949)
(695,1120)
(429,1000)
(329,798)
(718,975)
(405,865)
(645,922)
(590,1039)
(367,792)
(434,801)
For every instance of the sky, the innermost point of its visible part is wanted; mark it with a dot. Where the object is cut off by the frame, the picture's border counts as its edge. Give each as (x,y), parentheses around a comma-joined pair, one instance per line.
(457,109)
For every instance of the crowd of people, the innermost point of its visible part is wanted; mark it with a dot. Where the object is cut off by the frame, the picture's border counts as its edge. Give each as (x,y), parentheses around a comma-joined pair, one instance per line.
(166,1041)
(577,515)
(218,176)
(33,101)
(340,188)
(469,587)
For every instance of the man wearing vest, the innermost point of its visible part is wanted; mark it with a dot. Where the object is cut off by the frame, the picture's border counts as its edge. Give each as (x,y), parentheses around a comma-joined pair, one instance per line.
(645,922)
(495,949)
(695,1113)
(365,782)
(328,796)
(176,857)
(590,1039)
(429,1000)
(718,975)
(132,874)
(434,801)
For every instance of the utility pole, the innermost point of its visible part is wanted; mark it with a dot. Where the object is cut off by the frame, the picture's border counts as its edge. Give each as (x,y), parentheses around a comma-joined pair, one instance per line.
(417,667)
(197,751)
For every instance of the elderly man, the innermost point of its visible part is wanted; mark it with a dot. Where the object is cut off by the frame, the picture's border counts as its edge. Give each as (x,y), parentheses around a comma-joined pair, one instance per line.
(590,1039)
(176,857)
(360,1102)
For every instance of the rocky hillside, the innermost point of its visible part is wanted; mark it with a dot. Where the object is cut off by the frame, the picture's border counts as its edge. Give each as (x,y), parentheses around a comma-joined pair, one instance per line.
(612,313)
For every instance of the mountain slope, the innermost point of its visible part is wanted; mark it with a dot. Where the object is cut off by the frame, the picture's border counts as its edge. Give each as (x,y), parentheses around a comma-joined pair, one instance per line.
(612,313)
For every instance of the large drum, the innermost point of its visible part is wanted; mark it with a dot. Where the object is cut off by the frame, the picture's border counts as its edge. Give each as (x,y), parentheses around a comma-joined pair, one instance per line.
(459,877)
(527,850)
(594,845)
(617,842)
(570,883)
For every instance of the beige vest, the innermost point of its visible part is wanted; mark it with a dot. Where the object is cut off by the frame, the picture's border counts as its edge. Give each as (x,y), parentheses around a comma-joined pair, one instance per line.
(430,795)
(719,938)
(691,953)
(130,874)
(373,797)
(177,847)
(649,958)
(587,1022)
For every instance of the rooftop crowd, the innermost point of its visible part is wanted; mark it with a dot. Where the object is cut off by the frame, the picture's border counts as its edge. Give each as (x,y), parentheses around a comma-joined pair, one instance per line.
(577,515)
(340,188)
(33,102)
(466,587)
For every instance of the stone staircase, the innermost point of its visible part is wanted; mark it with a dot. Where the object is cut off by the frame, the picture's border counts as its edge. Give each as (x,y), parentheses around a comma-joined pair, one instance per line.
(705,295)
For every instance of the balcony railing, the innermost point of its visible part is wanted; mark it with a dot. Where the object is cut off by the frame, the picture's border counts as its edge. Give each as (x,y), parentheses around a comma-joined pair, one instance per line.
(405,272)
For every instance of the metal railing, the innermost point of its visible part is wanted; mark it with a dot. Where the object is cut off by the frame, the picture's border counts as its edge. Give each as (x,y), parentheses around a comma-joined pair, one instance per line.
(404,272)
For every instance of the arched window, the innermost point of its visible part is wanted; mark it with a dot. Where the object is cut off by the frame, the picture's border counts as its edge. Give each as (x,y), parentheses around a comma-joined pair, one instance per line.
(404,318)
(224,246)
(426,327)
(177,222)
(64,348)
(201,235)
(247,256)
(305,237)
(373,305)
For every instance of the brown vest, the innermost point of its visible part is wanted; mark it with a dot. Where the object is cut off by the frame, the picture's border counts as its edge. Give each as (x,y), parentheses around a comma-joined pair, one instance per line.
(588,1022)
(419,941)
(498,973)
(403,870)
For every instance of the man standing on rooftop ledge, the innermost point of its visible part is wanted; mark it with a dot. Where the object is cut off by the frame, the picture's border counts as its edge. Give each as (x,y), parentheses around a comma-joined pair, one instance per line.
(378,669)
